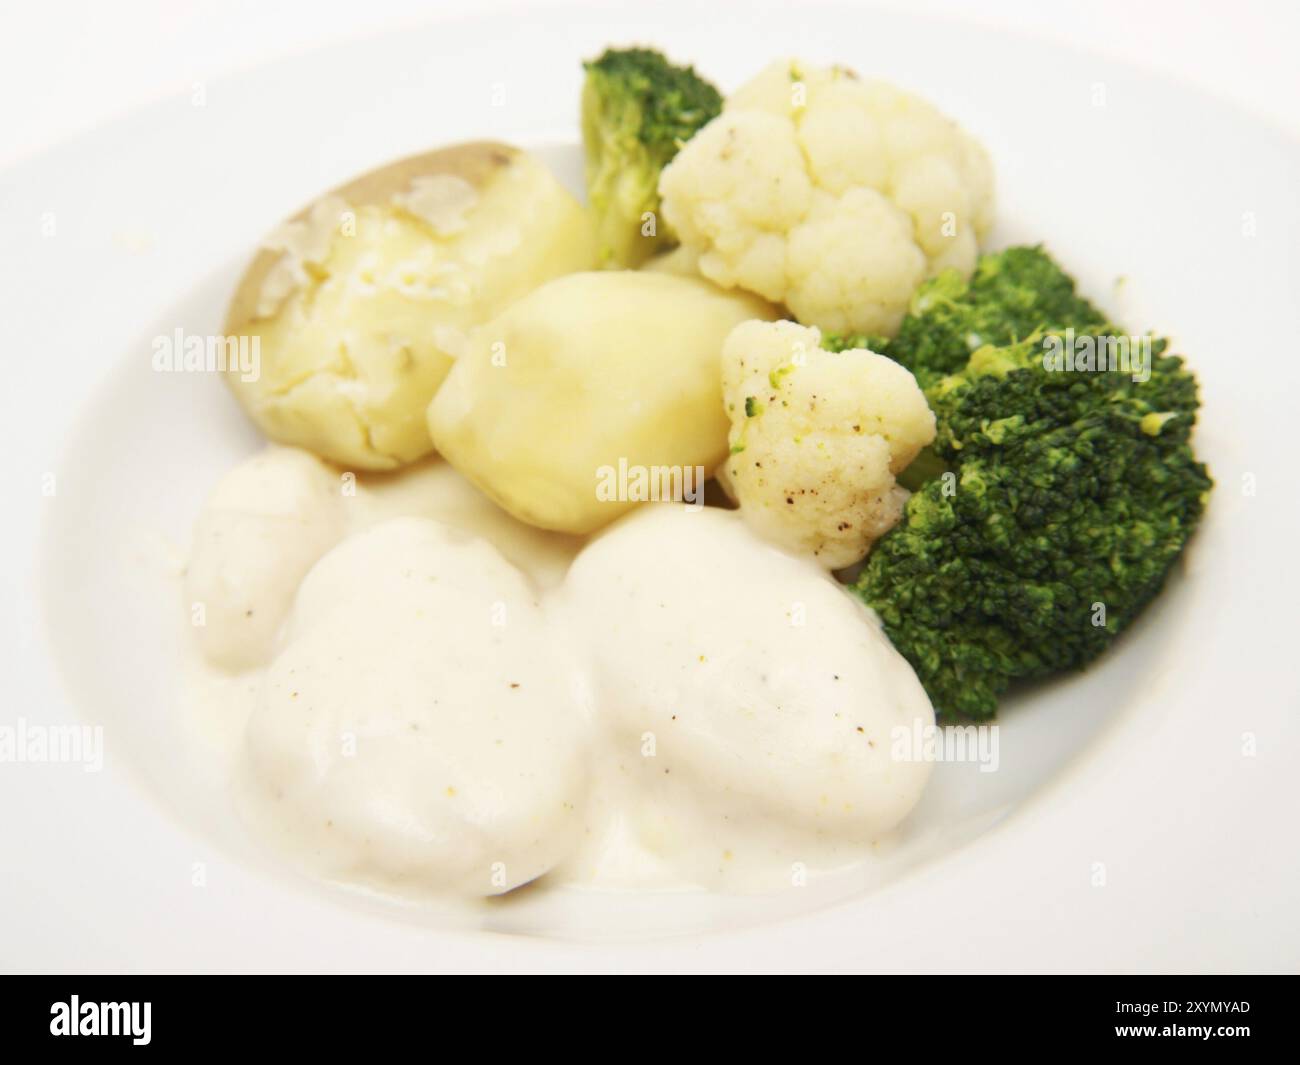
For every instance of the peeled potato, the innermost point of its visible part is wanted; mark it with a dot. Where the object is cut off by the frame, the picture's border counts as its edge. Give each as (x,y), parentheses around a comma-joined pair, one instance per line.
(362,301)
(590,373)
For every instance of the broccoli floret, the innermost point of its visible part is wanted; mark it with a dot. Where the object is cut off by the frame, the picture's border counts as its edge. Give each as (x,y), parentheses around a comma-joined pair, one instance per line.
(637,111)
(1058,502)
(1011,295)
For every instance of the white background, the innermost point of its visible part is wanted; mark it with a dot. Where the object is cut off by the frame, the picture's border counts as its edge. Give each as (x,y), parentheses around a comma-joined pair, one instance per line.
(69,65)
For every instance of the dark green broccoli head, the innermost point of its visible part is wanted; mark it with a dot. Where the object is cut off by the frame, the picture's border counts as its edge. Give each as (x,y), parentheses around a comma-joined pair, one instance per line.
(637,111)
(1067,498)
(1011,295)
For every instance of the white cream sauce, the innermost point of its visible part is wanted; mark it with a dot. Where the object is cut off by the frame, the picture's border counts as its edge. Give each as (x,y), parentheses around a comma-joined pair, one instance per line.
(437,698)
(419,730)
(746,705)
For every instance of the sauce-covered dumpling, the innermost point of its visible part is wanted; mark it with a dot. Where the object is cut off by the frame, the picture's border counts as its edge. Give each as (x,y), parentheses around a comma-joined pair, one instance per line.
(747,681)
(264,526)
(420,731)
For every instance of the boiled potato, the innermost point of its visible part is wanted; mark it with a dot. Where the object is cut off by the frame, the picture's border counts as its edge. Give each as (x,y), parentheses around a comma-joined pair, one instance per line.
(363,300)
(588,375)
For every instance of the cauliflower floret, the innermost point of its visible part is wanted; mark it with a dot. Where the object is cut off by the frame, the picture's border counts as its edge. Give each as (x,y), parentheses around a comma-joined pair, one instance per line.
(817,438)
(834,196)
(855,261)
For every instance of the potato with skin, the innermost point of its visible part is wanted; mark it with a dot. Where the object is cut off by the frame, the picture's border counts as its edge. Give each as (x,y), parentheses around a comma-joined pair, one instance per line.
(363,300)
(585,374)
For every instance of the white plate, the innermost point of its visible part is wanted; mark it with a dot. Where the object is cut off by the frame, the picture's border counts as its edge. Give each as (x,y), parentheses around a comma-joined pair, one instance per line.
(1129,827)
